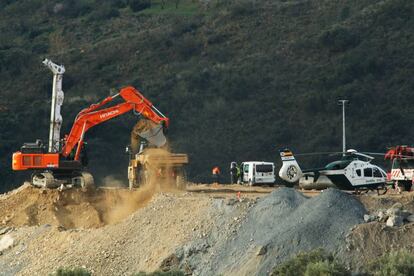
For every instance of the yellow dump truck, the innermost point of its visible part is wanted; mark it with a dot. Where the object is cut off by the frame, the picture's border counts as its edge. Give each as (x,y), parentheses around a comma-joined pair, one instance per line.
(157,166)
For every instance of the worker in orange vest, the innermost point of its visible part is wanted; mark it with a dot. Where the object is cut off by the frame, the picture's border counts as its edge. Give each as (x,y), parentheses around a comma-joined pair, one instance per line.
(216,174)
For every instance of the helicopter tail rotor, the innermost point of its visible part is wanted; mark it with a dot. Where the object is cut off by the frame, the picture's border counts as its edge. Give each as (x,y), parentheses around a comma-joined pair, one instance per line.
(290,170)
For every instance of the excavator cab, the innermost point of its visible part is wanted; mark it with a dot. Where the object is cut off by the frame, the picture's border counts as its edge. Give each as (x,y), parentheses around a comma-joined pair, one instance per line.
(36,147)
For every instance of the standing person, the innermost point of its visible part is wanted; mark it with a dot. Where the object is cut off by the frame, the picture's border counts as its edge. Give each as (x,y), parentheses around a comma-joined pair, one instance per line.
(233,172)
(240,176)
(216,175)
(397,187)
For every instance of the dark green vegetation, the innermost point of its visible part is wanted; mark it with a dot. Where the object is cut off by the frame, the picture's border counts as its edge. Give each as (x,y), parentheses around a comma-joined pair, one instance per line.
(394,263)
(238,80)
(72,272)
(318,262)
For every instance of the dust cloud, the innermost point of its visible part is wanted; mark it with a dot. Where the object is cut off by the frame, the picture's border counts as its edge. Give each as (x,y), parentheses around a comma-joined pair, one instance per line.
(109,204)
(74,208)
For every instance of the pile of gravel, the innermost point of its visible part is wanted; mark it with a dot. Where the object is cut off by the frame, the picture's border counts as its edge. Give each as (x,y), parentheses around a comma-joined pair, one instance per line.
(278,226)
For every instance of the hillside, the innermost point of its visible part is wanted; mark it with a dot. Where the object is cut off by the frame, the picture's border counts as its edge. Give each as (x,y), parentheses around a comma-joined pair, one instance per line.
(238,80)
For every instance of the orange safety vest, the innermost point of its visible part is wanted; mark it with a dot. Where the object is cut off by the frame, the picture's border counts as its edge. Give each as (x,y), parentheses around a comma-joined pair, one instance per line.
(216,170)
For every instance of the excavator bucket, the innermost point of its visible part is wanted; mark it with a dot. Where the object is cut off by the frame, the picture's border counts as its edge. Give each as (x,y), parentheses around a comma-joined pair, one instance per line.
(151,132)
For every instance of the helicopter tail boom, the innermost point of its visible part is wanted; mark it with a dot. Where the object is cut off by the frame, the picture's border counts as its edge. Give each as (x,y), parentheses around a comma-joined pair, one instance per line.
(290,170)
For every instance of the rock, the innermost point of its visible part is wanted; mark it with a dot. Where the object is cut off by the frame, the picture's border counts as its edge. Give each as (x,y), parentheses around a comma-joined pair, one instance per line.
(381,216)
(394,210)
(397,206)
(394,221)
(5,230)
(6,242)
(262,250)
(172,262)
(369,218)
(410,218)
(61,228)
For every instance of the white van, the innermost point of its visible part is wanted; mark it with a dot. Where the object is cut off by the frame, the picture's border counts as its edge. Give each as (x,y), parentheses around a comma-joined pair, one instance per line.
(258,172)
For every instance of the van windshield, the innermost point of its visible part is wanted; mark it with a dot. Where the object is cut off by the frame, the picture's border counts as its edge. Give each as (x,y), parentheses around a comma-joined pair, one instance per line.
(264,168)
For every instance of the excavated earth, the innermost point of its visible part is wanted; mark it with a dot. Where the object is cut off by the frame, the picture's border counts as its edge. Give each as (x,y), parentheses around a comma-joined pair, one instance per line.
(208,231)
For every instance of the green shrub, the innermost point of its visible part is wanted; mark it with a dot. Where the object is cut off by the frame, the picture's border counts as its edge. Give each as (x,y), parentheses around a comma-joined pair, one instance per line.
(139,5)
(339,39)
(118,3)
(313,263)
(72,8)
(188,46)
(243,8)
(345,13)
(105,12)
(396,263)
(325,268)
(78,271)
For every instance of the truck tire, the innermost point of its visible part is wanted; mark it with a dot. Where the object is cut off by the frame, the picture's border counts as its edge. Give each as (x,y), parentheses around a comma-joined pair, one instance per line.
(406,185)
(132,184)
(181,179)
(143,177)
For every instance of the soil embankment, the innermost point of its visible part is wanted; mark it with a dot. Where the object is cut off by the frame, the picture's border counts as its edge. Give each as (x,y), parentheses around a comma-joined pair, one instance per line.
(120,232)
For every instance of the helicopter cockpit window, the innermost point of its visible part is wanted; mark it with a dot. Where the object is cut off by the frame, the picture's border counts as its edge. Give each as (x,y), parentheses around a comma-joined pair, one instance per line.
(368,172)
(377,173)
(358,172)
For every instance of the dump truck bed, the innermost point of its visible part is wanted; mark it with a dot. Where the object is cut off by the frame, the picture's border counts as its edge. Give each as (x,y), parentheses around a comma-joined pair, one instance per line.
(160,157)
(163,159)
(160,163)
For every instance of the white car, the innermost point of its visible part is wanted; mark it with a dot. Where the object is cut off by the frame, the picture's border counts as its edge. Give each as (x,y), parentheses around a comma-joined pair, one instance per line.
(258,172)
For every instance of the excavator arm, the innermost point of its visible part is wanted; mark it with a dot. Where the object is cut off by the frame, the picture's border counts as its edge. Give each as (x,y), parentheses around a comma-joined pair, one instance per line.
(57,171)
(94,115)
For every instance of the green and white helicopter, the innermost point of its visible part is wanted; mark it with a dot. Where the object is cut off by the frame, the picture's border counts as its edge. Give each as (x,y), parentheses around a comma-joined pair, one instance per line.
(353,171)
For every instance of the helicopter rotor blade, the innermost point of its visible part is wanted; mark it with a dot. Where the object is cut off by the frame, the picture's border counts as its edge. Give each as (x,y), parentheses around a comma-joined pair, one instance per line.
(363,155)
(319,153)
(383,154)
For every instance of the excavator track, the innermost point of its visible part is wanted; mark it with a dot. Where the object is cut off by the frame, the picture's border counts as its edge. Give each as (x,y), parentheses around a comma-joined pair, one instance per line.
(45,180)
(88,182)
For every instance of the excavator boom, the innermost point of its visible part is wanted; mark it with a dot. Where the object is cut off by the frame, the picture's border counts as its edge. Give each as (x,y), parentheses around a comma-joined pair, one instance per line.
(33,156)
(93,116)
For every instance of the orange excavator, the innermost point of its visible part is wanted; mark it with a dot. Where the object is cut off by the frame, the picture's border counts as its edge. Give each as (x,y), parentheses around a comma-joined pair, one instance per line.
(64,162)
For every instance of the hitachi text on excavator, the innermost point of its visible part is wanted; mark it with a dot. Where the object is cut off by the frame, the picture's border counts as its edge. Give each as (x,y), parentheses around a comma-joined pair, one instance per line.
(63,163)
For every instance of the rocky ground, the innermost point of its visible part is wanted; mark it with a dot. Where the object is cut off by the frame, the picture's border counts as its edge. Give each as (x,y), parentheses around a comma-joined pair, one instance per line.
(210,230)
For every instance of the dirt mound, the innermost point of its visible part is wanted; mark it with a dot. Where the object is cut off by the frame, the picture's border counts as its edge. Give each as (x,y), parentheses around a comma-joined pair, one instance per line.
(368,241)
(29,206)
(138,243)
(278,226)
(374,202)
(200,233)
(371,240)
